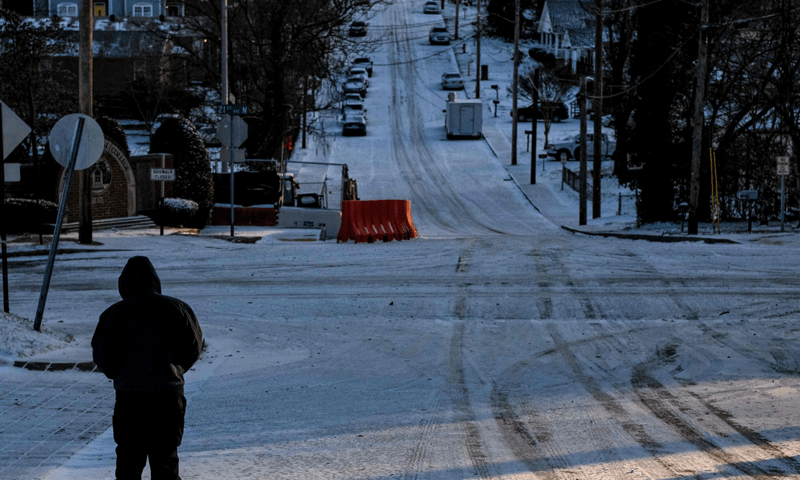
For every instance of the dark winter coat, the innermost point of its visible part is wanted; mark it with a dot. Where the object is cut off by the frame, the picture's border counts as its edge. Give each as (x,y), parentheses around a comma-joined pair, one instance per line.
(148,340)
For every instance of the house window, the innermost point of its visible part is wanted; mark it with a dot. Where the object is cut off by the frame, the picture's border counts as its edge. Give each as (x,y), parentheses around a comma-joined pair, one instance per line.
(142,10)
(174,10)
(67,9)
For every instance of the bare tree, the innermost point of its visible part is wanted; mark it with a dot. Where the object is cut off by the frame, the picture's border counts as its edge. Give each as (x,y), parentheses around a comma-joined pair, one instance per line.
(275,49)
(552,92)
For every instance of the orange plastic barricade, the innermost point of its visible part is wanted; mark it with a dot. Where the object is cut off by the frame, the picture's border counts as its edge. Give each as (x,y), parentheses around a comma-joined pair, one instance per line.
(358,221)
(371,220)
(344,229)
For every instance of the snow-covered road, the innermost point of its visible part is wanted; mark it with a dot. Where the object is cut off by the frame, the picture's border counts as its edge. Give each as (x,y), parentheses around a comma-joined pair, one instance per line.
(496,346)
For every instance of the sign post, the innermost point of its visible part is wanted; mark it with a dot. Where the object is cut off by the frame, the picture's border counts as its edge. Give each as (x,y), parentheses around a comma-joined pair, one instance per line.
(12,131)
(76,143)
(783,170)
(162,175)
(232,132)
(748,196)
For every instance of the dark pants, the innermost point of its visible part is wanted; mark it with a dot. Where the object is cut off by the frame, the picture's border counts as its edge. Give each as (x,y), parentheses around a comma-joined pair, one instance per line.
(148,425)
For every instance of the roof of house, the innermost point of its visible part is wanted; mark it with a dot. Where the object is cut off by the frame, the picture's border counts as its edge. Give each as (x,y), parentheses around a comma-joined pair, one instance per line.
(568,14)
(581,37)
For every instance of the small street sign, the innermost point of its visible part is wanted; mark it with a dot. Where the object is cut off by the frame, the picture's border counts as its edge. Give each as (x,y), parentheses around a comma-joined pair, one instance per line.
(162,174)
(232,131)
(747,195)
(90,145)
(14,130)
(783,165)
(232,109)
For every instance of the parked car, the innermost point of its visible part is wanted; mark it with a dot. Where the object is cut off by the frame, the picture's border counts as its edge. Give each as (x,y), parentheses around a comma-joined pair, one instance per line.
(355,85)
(557,110)
(571,147)
(452,80)
(350,99)
(358,29)
(360,73)
(439,35)
(354,125)
(160,119)
(365,63)
(355,109)
(431,7)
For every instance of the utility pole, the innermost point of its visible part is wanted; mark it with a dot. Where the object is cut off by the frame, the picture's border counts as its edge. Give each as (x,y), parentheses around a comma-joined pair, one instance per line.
(458,5)
(478,55)
(516,86)
(699,102)
(534,125)
(224,62)
(85,105)
(597,106)
(584,153)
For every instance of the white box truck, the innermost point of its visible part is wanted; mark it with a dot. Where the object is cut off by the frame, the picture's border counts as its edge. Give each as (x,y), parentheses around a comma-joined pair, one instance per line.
(463,117)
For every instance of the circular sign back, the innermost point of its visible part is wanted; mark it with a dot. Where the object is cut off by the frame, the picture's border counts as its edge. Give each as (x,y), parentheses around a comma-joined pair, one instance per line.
(90,144)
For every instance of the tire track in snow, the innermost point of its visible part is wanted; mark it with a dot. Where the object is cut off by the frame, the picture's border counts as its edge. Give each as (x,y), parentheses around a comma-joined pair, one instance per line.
(658,399)
(434,179)
(616,412)
(429,427)
(464,416)
(642,378)
(534,449)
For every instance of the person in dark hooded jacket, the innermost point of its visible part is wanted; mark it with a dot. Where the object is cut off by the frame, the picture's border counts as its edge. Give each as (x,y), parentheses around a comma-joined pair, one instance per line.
(145,343)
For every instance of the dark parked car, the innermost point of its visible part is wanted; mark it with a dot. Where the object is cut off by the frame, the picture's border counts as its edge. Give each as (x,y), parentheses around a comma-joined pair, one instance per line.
(557,112)
(354,124)
(365,63)
(358,29)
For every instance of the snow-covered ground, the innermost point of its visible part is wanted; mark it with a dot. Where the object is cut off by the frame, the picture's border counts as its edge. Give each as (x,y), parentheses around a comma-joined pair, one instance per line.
(495,346)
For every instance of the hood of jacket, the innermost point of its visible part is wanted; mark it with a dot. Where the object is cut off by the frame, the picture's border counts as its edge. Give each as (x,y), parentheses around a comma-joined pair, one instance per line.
(138,276)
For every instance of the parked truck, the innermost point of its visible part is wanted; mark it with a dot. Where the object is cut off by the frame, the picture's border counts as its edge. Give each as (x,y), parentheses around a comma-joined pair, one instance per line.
(463,117)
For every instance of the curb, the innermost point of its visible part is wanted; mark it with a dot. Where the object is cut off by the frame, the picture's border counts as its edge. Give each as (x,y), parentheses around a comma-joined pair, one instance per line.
(653,238)
(57,366)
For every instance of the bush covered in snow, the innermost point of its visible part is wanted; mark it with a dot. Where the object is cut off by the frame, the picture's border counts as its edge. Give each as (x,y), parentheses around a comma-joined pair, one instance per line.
(114,131)
(178,212)
(24,215)
(193,179)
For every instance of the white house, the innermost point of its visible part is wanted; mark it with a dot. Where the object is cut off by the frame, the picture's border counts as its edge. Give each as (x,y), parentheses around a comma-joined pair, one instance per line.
(566,29)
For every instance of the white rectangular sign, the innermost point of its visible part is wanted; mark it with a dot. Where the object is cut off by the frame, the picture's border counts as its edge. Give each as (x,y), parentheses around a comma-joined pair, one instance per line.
(783,165)
(11,172)
(162,174)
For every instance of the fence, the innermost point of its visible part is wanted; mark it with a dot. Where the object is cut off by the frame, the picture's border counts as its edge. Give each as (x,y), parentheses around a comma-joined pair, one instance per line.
(329,181)
(573,180)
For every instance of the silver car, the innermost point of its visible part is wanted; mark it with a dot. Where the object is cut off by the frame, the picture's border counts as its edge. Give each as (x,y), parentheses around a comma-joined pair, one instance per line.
(360,73)
(439,35)
(570,148)
(354,108)
(431,7)
(355,85)
(452,80)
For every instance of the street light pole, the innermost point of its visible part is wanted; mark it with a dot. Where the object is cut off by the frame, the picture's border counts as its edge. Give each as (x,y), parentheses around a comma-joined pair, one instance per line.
(597,106)
(478,55)
(224,61)
(516,86)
